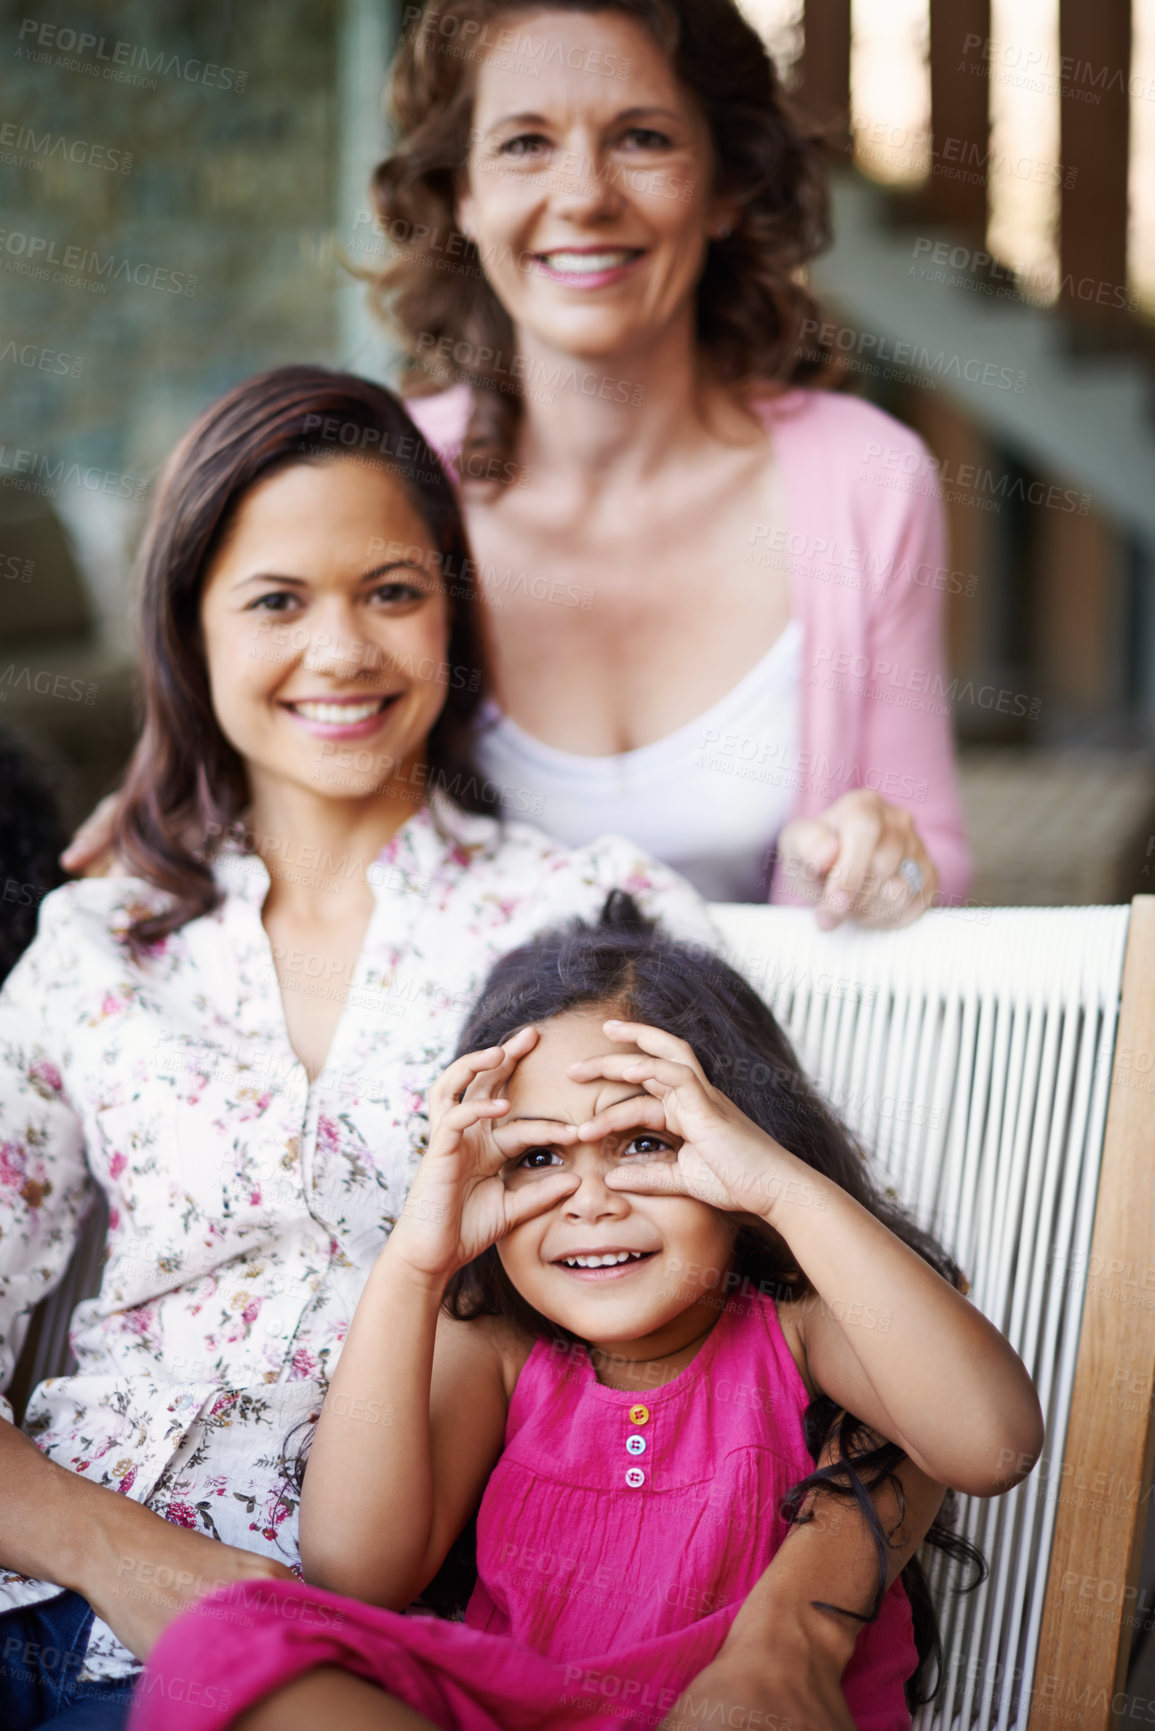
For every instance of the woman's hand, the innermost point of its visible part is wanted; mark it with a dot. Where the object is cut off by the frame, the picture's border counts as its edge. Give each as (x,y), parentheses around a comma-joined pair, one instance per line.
(848,860)
(158,1571)
(724,1159)
(777,1686)
(458,1204)
(89,854)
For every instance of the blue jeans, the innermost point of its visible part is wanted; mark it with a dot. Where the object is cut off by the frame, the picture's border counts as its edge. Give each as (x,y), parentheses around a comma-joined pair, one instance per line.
(41,1654)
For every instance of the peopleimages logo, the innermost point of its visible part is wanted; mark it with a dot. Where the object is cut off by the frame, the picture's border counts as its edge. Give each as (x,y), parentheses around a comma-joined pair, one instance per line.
(35,255)
(39,359)
(24,147)
(120,62)
(35,472)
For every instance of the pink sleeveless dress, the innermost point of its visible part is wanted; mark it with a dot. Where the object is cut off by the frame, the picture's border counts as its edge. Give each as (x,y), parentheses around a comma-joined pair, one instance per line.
(618,1537)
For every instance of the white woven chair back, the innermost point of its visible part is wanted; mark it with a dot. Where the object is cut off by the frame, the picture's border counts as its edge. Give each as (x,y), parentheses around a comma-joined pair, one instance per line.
(972,1054)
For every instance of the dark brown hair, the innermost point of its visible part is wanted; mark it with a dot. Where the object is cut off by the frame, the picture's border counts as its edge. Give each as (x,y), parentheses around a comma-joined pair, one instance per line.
(751,308)
(186,784)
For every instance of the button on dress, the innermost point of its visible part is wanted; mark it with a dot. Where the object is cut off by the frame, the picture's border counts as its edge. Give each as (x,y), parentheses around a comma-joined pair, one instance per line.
(604,1588)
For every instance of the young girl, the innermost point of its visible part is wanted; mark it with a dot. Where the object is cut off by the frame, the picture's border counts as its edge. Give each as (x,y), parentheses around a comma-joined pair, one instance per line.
(630,1297)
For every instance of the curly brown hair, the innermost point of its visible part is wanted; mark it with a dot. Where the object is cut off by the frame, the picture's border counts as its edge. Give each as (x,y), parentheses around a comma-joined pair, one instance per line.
(752,307)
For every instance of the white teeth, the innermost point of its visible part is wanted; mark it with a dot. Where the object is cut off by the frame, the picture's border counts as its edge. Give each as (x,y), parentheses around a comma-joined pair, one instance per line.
(338,714)
(614,1257)
(585,263)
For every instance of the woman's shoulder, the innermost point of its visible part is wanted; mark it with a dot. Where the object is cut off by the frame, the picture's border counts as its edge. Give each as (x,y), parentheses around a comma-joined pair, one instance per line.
(95,910)
(442,418)
(576,880)
(509,844)
(78,947)
(838,426)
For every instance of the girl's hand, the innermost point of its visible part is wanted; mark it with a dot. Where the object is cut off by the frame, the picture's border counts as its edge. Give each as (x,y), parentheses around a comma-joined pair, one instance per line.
(847,861)
(458,1204)
(724,1159)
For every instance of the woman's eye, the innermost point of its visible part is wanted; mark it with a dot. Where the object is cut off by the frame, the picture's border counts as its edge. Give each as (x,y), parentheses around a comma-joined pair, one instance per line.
(536,1159)
(392,593)
(647,1145)
(276,601)
(645,138)
(525,144)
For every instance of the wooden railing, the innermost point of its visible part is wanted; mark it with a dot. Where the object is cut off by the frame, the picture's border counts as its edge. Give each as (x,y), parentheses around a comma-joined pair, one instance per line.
(1092,74)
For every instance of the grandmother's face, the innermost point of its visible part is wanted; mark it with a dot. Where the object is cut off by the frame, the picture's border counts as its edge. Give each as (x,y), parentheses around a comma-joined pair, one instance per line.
(588,183)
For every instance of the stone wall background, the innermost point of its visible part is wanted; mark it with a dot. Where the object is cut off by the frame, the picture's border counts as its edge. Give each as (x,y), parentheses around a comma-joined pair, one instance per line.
(169,175)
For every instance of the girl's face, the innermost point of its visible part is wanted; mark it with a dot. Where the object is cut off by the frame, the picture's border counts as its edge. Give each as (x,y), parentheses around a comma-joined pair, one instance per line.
(325,645)
(587,186)
(662,1297)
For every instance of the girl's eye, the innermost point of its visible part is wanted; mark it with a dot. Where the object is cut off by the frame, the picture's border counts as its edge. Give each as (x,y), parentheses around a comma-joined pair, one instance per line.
(647,1145)
(536,1160)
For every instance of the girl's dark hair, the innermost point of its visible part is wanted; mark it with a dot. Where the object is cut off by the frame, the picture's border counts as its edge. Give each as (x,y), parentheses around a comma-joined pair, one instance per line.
(186,785)
(753,311)
(628,964)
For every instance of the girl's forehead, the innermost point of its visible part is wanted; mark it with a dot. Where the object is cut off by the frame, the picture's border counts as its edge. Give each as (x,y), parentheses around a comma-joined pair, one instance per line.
(541,1076)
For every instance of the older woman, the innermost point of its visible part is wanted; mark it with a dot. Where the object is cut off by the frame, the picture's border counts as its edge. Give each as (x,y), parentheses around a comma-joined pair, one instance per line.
(713,621)
(714,624)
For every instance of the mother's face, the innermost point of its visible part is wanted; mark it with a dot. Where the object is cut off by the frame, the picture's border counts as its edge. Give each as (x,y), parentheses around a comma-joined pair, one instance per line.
(326,627)
(588,182)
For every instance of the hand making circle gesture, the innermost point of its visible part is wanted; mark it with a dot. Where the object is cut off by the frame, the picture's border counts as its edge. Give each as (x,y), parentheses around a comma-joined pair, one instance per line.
(724,1158)
(458,1204)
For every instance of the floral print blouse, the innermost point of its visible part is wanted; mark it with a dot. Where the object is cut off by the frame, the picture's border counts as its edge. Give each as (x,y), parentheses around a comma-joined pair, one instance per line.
(246,1205)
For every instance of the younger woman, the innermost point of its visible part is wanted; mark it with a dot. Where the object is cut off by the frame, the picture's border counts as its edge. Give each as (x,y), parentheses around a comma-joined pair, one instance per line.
(232,1043)
(629,1298)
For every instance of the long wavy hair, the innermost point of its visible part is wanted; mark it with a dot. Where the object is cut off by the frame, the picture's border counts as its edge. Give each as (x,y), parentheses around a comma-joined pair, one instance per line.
(627,965)
(186,786)
(753,308)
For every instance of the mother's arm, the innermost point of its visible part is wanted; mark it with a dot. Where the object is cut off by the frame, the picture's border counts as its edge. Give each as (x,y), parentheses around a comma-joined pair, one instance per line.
(54,1525)
(843,858)
(784,1658)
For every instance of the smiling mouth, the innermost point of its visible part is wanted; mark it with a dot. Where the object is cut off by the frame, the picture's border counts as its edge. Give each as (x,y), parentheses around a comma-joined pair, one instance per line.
(588,263)
(609,1259)
(342,714)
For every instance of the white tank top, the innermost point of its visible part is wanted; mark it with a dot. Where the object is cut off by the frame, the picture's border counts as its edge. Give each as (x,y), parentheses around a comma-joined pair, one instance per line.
(709,799)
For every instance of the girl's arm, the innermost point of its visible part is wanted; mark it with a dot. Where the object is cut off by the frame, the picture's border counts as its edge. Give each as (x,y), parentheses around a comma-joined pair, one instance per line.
(883,1334)
(414,1419)
(890,1340)
(412,1426)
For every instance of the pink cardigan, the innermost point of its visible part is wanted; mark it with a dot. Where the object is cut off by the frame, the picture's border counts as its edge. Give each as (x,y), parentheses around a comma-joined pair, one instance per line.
(864,549)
